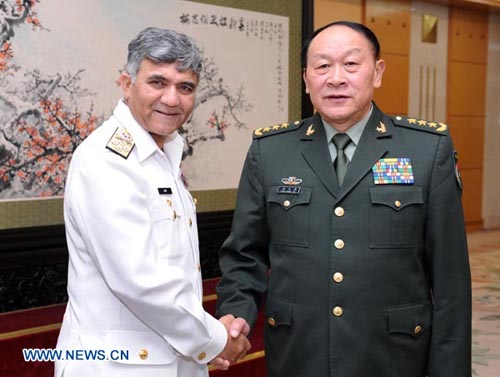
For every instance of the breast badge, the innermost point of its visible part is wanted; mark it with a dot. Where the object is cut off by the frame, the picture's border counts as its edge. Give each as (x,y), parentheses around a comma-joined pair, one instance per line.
(393,171)
(291,181)
(292,186)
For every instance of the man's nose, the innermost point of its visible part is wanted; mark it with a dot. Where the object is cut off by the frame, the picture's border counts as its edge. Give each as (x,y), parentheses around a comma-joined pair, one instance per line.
(170,96)
(336,76)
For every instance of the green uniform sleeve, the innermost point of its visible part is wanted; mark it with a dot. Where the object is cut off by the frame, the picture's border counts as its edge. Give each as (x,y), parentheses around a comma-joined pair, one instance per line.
(244,255)
(448,261)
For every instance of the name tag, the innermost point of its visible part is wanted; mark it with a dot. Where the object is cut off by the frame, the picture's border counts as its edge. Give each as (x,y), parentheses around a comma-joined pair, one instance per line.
(164,190)
(288,190)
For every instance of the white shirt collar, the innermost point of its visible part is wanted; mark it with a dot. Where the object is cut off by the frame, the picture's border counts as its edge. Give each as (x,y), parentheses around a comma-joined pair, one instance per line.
(144,142)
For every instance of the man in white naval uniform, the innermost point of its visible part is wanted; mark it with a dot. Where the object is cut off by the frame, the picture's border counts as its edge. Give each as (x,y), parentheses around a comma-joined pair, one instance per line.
(134,280)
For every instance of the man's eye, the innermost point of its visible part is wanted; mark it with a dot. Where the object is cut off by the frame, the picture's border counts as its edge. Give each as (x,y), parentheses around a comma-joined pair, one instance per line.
(186,89)
(156,83)
(322,67)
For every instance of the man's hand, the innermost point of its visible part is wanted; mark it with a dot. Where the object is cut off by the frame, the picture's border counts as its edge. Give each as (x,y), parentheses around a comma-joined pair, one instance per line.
(237,343)
(235,326)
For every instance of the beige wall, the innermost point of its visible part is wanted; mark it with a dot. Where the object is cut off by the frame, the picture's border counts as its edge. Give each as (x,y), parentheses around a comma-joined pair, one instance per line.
(491,189)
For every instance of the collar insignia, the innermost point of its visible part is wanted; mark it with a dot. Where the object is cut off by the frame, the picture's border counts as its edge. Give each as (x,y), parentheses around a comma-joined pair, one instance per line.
(381,129)
(310,130)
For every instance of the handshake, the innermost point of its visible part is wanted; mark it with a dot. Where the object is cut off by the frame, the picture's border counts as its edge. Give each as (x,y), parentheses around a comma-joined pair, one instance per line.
(237,344)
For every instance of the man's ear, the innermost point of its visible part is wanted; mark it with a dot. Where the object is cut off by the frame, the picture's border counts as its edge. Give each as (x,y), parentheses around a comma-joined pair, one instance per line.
(125,82)
(304,77)
(379,71)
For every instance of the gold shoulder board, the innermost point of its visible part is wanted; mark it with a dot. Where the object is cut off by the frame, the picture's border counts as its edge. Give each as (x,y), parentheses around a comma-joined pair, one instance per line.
(420,124)
(121,142)
(276,129)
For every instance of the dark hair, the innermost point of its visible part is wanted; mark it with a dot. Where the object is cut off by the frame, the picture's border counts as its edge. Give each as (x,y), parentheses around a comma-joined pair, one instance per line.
(370,35)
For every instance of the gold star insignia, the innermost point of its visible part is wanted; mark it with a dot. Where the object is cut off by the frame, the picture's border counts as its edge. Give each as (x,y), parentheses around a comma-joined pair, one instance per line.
(412,120)
(422,122)
(276,127)
(284,125)
(267,129)
(432,124)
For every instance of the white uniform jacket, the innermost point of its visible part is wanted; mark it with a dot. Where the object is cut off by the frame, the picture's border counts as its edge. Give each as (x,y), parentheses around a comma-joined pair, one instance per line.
(134,280)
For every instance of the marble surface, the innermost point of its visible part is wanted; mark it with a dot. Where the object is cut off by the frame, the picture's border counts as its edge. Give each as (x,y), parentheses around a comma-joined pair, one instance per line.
(484,251)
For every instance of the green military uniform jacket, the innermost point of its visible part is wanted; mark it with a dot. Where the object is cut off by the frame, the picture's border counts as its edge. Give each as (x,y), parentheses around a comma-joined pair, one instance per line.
(364,280)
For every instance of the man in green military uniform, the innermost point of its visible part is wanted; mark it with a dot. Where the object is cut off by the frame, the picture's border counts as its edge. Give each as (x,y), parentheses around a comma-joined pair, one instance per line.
(349,225)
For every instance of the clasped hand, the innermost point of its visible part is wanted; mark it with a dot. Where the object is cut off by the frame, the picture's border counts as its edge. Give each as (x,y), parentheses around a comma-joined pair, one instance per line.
(237,344)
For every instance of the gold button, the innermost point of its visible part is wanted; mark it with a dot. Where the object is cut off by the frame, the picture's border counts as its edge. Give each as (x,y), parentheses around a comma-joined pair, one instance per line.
(339,244)
(339,211)
(286,203)
(190,222)
(417,330)
(169,202)
(195,201)
(338,277)
(143,354)
(397,203)
(271,321)
(337,311)
(175,215)
(201,356)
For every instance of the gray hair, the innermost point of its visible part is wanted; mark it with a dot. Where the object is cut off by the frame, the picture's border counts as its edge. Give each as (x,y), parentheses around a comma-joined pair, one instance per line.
(163,46)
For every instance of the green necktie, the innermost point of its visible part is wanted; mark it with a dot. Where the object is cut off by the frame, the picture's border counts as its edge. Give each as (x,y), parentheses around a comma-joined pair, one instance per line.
(341,141)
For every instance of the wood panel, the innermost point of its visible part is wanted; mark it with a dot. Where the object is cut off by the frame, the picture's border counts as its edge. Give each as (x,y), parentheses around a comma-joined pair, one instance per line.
(466,89)
(468,35)
(326,11)
(392,96)
(468,139)
(391,23)
(466,100)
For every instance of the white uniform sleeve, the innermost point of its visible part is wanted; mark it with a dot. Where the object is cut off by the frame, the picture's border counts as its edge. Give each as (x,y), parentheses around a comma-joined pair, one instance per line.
(105,202)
